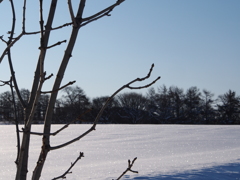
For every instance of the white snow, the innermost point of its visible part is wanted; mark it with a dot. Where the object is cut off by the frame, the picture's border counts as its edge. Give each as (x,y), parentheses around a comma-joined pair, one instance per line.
(164,152)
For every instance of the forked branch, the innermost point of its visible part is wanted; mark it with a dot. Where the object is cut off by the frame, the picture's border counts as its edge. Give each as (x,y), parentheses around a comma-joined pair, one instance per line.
(5,83)
(123,87)
(105,11)
(71,13)
(130,164)
(100,14)
(63,176)
(48,77)
(70,83)
(9,46)
(1,38)
(105,105)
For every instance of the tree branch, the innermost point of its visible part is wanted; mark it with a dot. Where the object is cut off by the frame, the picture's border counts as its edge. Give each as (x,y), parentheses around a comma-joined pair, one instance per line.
(13,22)
(70,83)
(8,52)
(47,30)
(61,129)
(63,176)
(58,43)
(130,164)
(81,7)
(49,113)
(33,100)
(9,46)
(108,9)
(71,13)
(16,122)
(5,83)
(123,87)
(46,78)
(104,107)
(100,14)
(1,37)
(24,19)
(94,19)
(15,115)
(47,33)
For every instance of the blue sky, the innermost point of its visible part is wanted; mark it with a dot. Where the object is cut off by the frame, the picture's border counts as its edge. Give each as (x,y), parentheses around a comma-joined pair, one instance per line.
(191,43)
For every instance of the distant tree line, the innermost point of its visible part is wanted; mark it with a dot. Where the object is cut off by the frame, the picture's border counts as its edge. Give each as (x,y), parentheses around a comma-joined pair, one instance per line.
(158,106)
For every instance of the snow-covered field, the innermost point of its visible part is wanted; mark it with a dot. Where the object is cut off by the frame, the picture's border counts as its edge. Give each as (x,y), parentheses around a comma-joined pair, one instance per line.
(164,152)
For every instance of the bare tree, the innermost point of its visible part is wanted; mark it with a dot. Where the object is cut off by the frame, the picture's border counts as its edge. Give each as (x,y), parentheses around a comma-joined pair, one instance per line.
(75,102)
(107,115)
(30,107)
(134,107)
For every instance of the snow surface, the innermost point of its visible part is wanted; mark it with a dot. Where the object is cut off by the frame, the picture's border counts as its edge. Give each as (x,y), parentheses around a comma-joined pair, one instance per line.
(164,152)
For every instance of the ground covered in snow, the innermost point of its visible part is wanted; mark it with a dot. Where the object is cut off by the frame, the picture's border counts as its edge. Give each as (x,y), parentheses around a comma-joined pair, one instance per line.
(164,152)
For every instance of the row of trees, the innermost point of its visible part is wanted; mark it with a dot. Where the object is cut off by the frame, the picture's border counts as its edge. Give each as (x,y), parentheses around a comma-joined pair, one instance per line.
(161,106)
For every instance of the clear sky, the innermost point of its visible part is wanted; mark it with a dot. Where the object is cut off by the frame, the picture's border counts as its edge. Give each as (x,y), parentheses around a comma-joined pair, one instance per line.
(191,43)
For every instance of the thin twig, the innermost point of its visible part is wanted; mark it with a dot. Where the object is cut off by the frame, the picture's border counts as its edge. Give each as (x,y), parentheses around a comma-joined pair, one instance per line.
(1,37)
(70,83)
(87,20)
(12,40)
(41,19)
(24,19)
(46,78)
(26,33)
(58,43)
(130,164)
(47,30)
(13,22)
(110,8)
(94,19)
(9,46)
(100,14)
(5,83)
(63,176)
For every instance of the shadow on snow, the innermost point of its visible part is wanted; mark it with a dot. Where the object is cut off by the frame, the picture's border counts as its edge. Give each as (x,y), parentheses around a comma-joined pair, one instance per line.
(229,171)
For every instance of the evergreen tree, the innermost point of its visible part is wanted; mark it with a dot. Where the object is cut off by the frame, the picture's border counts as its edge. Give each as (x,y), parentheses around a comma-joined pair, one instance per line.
(176,97)
(229,107)
(163,104)
(208,112)
(192,105)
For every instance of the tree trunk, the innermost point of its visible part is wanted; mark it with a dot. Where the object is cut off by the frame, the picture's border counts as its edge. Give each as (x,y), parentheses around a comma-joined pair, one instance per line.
(22,167)
(48,118)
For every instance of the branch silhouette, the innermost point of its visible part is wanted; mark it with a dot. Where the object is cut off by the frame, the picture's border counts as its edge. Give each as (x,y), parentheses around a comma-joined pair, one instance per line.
(93,127)
(130,164)
(63,176)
